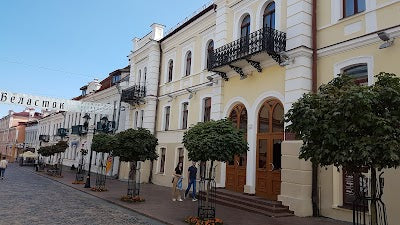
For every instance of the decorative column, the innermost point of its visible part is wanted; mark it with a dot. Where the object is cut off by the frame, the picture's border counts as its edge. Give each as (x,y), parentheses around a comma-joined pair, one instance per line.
(296,174)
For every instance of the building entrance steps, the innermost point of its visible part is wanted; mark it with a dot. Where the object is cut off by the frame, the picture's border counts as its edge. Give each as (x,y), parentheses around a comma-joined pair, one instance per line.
(252,203)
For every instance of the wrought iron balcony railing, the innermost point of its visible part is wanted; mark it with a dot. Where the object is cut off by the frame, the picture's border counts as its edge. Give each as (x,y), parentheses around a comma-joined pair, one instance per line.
(79,130)
(134,94)
(266,40)
(44,138)
(107,127)
(62,132)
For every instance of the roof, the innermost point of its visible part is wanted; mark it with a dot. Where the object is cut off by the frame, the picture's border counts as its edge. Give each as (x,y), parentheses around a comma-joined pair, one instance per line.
(191,20)
(106,83)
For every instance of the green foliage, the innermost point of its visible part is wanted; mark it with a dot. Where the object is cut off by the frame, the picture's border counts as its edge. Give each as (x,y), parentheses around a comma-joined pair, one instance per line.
(135,145)
(103,142)
(349,125)
(61,146)
(215,141)
(47,151)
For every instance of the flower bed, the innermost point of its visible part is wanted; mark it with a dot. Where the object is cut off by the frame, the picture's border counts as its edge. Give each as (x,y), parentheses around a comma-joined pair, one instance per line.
(98,189)
(194,220)
(132,199)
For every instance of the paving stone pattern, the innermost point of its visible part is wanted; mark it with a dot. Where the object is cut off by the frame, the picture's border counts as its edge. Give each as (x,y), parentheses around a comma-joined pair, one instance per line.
(27,198)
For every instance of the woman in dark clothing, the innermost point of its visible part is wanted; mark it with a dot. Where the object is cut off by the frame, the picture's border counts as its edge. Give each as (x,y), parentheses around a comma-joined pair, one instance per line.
(177,183)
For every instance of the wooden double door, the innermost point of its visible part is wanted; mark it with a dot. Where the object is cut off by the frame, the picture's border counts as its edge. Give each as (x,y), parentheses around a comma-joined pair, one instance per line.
(236,168)
(268,157)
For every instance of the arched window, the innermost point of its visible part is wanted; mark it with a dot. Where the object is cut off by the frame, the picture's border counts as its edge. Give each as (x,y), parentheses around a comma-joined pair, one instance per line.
(188,63)
(269,15)
(271,117)
(210,52)
(359,73)
(170,70)
(245,27)
(238,116)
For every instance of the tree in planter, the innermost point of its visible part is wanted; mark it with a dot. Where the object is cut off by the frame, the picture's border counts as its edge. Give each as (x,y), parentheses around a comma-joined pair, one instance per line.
(133,146)
(351,126)
(59,148)
(102,143)
(213,141)
(45,151)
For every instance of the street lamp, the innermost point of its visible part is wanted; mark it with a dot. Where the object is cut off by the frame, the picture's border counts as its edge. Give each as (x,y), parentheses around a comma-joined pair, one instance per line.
(86,124)
(104,124)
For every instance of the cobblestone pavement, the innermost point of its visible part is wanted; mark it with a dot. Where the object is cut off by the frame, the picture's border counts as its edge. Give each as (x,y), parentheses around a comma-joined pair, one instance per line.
(27,198)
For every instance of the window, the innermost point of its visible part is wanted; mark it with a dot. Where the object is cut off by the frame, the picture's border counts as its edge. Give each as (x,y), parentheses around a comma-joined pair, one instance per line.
(185,115)
(210,53)
(181,155)
(162,160)
(145,76)
(136,119)
(351,7)
(188,63)
(167,113)
(269,15)
(140,77)
(359,73)
(83,92)
(245,27)
(170,70)
(207,109)
(141,119)
(116,78)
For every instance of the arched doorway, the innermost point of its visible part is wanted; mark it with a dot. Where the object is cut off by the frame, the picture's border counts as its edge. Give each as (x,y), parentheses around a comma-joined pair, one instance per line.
(236,168)
(270,135)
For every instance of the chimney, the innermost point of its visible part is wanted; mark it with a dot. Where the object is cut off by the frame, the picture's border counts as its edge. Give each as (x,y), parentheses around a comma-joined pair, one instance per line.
(157,31)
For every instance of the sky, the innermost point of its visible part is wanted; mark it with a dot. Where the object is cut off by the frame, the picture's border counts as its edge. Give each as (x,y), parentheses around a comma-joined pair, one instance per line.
(53,47)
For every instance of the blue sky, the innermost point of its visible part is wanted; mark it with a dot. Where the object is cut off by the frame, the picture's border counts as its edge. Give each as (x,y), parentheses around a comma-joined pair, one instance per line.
(52,48)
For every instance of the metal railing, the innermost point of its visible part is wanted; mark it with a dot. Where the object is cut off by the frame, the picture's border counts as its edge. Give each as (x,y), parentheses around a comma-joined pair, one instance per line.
(264,40)
(133,94)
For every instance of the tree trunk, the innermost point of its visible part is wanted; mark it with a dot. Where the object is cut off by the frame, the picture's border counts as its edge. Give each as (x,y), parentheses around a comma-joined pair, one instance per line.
(374,218)
(151,172)
(202,170)
(209,182)
(132,177)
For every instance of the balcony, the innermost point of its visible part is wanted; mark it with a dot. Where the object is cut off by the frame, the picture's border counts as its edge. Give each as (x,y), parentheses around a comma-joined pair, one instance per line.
(134,94)
(107,127)
(44,138)
(62,132)
(79,130)
(251,49)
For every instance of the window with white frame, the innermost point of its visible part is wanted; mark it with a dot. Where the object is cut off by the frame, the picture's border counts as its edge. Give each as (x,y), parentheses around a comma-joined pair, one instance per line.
(269,16)
(140,78)
(136,119)
(145,76)
(358,72)
(352,7)
(188,63)
(181,155)
(167,113)
(207,109)
(141,118)
(210,53)
(185,113)
(170,70)
(162,160)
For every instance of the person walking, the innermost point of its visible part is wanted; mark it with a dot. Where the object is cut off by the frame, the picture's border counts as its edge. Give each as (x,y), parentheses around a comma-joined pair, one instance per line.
(177,183)
(192,181)
(3,166)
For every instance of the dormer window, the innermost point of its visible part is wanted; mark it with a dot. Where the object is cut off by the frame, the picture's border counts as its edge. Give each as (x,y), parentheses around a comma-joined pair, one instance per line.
(83,92)
(116,79)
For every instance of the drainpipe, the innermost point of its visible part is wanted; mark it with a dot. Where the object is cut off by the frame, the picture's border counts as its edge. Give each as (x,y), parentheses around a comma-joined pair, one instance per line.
(314,194)
(155,116)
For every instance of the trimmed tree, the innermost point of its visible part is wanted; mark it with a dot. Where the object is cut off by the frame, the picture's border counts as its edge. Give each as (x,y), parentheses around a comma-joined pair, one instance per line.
(133,146)
(351,126)
(214,141)
(102,143)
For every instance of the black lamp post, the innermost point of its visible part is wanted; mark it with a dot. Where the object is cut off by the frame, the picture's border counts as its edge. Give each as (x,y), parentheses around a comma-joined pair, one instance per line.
(86,125)
(104,124)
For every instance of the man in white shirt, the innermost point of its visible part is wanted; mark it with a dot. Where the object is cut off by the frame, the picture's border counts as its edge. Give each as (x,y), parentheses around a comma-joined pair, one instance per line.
(3,166)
